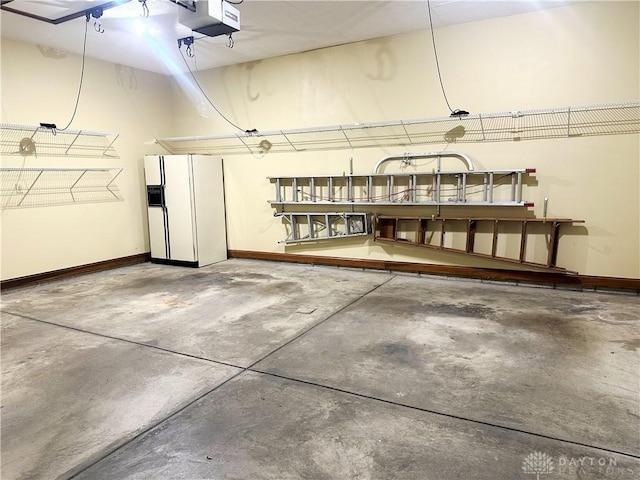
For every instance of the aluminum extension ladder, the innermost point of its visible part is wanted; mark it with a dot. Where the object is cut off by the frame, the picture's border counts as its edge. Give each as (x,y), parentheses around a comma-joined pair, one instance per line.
(306,227)
(436,188)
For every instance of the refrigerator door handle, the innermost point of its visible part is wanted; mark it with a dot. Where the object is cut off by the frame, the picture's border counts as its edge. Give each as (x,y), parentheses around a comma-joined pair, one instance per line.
(167,243)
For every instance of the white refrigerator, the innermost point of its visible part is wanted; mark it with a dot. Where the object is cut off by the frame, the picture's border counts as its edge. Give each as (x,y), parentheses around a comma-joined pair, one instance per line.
(185,204)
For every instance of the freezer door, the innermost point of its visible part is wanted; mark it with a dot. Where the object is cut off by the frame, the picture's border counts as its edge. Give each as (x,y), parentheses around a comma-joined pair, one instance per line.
(152,171)
(157,233)
(154,179)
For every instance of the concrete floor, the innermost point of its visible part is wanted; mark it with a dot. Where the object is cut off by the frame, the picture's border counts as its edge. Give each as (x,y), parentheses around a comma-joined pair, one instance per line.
(256,370)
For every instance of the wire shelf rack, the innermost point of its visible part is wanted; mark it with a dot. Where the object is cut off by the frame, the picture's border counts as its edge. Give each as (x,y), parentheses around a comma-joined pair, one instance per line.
(43,187)
(25,140)
(564,122)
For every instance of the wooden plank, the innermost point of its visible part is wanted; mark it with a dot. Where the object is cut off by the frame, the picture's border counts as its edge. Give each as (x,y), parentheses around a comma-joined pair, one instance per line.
(538,277)
(553,244)
(422,230)
(74,271)
(471,236)
(473,254)
(523,240)
(494,243)
(491,219)
(386,227)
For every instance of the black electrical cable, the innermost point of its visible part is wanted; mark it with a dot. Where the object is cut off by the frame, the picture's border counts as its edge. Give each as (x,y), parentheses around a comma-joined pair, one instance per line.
(435,53)
(205,95)
(145,8)
(84,51)
(234,3)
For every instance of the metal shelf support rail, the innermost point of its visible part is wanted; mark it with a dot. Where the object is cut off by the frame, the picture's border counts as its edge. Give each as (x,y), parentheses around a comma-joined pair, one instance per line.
(308,227)
(462,188)
(564,122)
(25,140)
(42,187)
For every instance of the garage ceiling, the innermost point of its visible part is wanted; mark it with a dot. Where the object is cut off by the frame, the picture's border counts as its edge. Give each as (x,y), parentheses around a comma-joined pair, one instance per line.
(268,28)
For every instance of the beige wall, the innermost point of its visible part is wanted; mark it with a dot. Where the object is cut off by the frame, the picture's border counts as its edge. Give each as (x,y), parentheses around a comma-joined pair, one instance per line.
(38,88)
(579,55)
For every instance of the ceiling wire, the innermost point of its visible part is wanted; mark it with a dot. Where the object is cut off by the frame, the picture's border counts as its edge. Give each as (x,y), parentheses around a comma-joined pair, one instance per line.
(84,51)
(206,96)
(195,59)
(435,53)
(145,8)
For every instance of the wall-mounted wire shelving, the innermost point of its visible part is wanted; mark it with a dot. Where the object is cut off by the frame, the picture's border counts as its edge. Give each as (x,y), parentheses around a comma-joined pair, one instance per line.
(564,122)
(43,187)
(25,140)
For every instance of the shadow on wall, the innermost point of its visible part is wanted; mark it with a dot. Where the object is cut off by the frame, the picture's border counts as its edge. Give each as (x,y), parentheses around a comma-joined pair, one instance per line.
(379,64)
(417,254)
(131,82)
(250,80)
(575,240)
(335,244)
(599,232)
(432,256)
(385,61)
(50,52)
